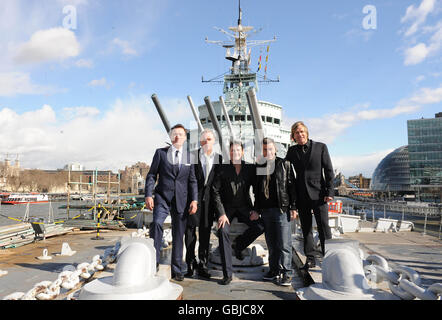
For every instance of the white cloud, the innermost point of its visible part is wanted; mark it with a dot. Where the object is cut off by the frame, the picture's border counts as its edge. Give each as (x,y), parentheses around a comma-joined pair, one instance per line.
(13,83)
(48,45)
(84,63)
(80,112)
(416,54)
(29,132)
(354,164)
(424,96)
(99,83)
(425,47)
(47,139)
(331,126)
(417,15)
(125,47)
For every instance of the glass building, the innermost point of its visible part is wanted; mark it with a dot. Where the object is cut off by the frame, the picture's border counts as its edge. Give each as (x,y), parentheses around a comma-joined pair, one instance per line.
(425,152)
(393,172)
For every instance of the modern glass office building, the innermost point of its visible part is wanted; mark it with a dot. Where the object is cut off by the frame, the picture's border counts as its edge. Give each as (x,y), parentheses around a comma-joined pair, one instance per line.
(392,173)
(425,153)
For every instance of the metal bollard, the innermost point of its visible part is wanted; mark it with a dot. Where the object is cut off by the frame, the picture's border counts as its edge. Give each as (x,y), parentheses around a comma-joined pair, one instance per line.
(97,237)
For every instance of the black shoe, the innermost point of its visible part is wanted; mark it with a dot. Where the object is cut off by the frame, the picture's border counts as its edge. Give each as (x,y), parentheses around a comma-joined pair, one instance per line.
(178,277)
(285,280)
(239,255)
(237,252)
(190,269)
(270,276)
(189,272)
(226,280)
(202,272)
(158,267)
(308,265)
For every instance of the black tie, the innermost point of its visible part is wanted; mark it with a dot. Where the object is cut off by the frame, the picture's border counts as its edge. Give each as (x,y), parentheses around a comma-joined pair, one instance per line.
(176,168)
(304,148)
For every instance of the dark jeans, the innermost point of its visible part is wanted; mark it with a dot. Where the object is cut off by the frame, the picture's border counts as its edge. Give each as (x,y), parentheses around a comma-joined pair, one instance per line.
(320,211)
(256,228)
(278,234)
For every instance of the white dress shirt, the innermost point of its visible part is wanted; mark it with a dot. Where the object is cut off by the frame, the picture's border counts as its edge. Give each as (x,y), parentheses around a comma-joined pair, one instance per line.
(180,154)
(203,158)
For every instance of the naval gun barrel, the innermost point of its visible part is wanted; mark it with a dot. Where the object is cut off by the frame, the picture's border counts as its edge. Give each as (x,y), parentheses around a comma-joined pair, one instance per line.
(229,125)
(256,119)
(160,110)
(216,126)
(195,114)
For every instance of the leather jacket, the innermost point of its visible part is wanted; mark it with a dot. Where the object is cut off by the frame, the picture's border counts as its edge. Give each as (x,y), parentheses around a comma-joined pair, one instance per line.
(285,185)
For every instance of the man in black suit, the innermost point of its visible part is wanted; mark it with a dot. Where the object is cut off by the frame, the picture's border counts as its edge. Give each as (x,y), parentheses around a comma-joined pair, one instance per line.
(314,187)
(231,194)
(208,160)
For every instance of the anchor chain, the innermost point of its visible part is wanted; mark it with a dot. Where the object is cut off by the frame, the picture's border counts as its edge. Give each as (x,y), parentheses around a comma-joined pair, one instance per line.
(72,276)
(403,282)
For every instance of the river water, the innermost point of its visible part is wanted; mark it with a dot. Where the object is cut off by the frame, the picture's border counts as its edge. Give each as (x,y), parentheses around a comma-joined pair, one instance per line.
(432,225)
(39,210)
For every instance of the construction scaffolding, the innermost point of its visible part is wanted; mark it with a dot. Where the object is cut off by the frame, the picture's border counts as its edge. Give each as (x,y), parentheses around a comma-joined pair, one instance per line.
(109,206)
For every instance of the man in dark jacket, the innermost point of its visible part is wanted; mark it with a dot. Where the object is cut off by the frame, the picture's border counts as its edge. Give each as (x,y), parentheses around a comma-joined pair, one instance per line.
(275,201)
(314,187)
(175,188)
(231,193)
(205,169)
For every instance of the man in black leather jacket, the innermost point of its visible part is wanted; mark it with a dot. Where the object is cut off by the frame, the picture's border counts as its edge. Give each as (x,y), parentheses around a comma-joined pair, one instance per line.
(275,201)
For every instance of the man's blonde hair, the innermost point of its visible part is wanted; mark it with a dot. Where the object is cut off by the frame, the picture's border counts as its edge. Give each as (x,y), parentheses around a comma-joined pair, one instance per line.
(295,126)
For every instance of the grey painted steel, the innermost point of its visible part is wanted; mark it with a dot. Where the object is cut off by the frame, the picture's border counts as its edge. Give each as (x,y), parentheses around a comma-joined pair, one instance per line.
(257,121)
(195,114)
(216,126)
(229,124)
(160,110)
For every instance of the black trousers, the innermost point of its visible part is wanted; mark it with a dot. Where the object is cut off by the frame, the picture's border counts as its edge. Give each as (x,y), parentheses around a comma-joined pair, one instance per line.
(320,210)
(204,243)
(256,228)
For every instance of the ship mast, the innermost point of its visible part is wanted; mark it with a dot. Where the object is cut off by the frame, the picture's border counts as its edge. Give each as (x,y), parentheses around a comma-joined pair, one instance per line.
(240,78)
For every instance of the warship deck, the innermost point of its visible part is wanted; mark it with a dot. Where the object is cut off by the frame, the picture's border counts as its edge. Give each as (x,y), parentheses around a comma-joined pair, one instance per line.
(24,270)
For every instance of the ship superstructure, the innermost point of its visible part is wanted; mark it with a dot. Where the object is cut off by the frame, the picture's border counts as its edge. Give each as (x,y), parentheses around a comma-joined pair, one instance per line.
(237,81)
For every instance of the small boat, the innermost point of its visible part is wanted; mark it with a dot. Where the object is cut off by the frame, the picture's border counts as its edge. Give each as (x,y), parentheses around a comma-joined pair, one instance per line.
(4,195)
(20,198)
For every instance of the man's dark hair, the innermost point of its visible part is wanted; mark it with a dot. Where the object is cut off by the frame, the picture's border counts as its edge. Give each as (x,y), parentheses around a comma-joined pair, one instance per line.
(179,125)
(268,141)
(236,142)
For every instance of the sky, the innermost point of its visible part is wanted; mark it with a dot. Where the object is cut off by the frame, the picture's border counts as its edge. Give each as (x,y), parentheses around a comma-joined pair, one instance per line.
(76,76)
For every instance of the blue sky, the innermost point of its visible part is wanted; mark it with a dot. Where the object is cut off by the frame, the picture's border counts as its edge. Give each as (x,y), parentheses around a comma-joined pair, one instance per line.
(82,93)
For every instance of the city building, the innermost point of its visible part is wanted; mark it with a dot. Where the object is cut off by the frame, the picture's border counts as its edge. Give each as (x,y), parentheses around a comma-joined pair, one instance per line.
(425,154)
(360,181)
(133,178)
(74,167)
(393,173)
